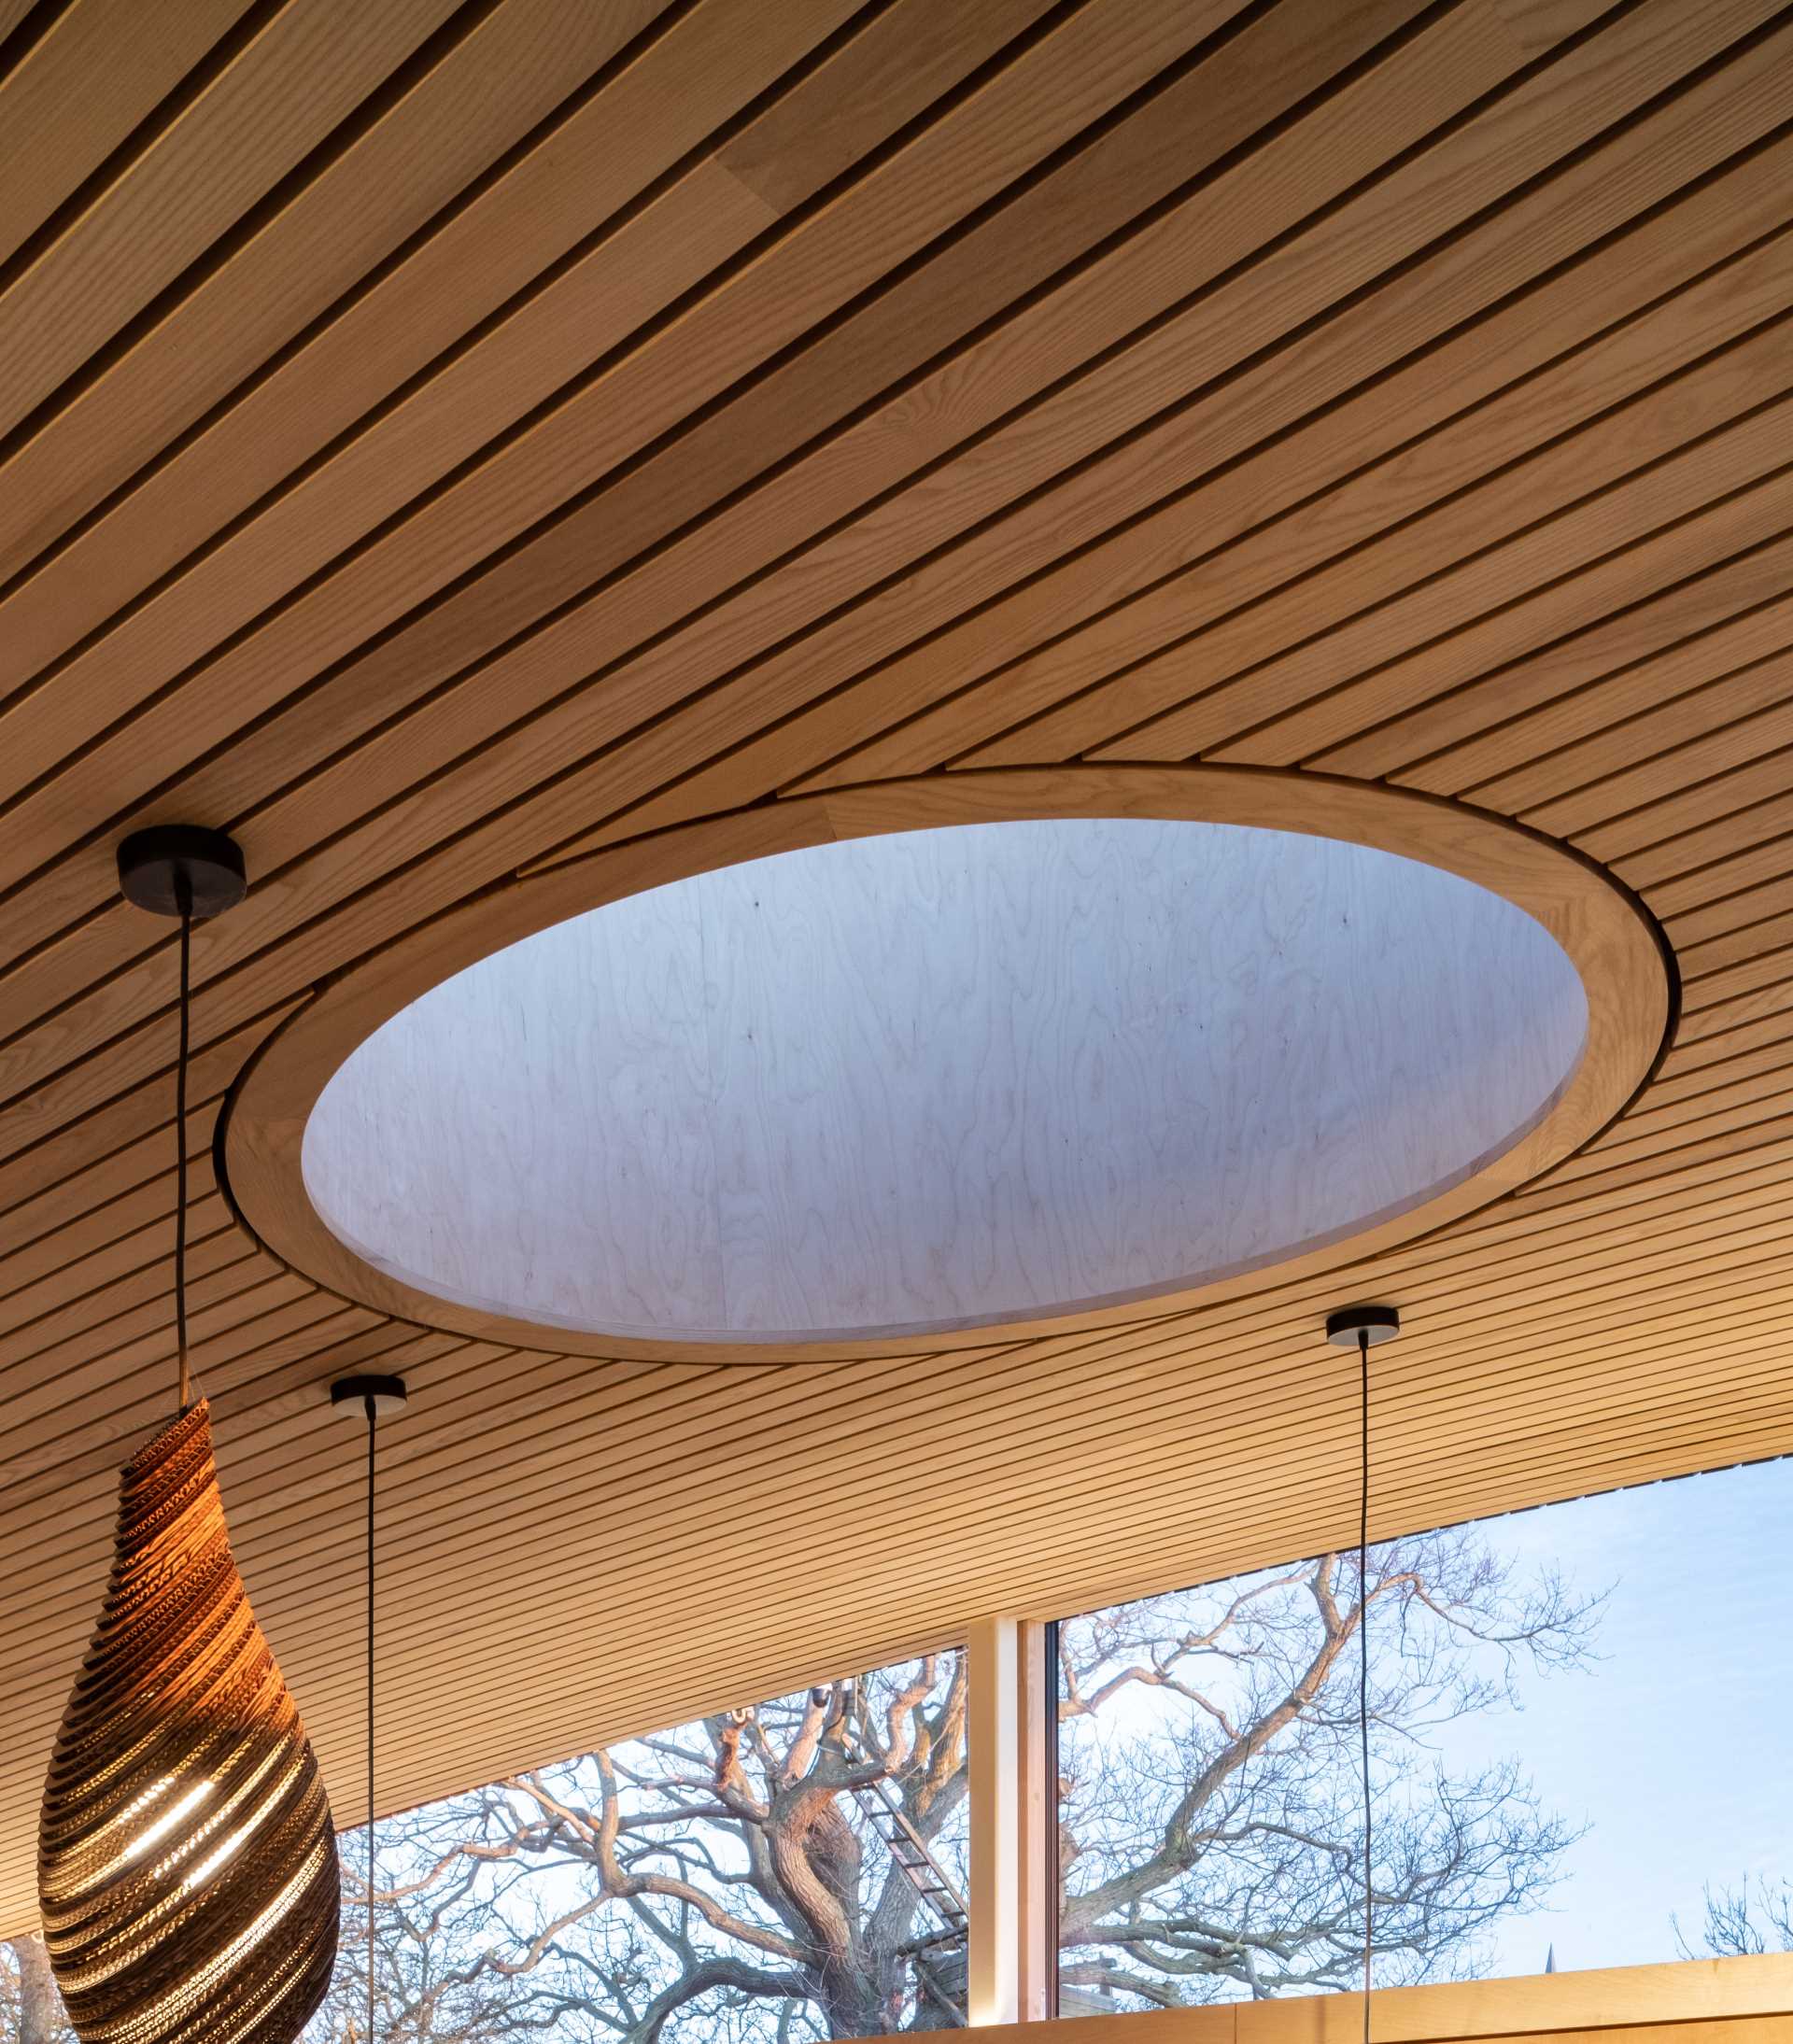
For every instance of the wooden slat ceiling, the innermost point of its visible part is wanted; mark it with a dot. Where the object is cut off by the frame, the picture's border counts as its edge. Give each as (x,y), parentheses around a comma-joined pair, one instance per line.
(439,437)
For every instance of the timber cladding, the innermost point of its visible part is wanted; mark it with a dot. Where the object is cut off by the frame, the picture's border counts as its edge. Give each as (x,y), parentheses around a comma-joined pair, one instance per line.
(444,445)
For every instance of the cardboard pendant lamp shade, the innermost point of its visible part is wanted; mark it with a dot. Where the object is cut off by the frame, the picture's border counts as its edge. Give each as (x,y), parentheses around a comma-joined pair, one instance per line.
(187,1864)
(186,1869)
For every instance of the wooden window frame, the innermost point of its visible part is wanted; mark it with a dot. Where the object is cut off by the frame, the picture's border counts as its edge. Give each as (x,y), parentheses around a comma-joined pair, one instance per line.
(1012,1977)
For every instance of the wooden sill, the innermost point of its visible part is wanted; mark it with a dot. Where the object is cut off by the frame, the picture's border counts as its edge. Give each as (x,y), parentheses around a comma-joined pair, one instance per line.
(1708,2001)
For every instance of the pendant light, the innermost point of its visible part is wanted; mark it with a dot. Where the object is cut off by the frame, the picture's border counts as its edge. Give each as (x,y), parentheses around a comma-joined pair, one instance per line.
(187,1865)
(372,1396)
(1362,1328)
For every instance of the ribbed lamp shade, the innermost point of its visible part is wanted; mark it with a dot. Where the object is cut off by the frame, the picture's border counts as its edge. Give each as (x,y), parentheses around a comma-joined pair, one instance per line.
(187,1863)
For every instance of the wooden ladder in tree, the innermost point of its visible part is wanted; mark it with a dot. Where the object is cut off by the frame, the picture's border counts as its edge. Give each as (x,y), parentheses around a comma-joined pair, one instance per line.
(940,1897)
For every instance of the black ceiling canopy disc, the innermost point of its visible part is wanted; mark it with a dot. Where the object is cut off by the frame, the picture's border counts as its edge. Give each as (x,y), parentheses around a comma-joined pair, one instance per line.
(154,862)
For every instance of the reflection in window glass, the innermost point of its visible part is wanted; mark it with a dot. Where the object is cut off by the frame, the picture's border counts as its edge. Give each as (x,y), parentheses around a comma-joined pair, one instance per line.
(1555,1698)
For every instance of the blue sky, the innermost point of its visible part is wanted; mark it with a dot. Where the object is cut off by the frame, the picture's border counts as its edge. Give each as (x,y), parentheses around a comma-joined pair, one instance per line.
(1676,1748)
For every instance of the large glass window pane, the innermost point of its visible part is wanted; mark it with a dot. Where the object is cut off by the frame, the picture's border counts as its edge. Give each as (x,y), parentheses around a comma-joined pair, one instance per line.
(796,1871)
(1581,1755)
(793,1871)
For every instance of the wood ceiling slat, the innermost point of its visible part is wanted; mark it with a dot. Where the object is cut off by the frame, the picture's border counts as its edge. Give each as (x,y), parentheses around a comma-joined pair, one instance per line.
(432,1485)
(272,1374)
(258,1326)
(584,1726)
(492,1591)
(589,1701)
(1050,1585)
(1629,1147)
(62,1129)
(98,70)
(1342,251)
(261,1426)
(283,1358)
(487,1607)
(1091,192)
(218,1269)
(1610,652)
(1756,1402)
(195,179)
(483,95)
(1747,1035)
(1612,1205)
(1725,1145)
(1755,971)
(428,1484)
(337,1520)
(1675,487)
(1717,1016)
(485,388)
(1746,829)
(1752,863)
(1390,411)
(1776,1050)
(1703,798)
(1702,1106)
(1253,595)
(114,1176)
(1639,714)
(1622,795)
(89,1027)
(771,1683)
(1528,1214)
(563,421)
(12,12)
(1580,193)
(1330,1435)
(705,69)
(397,1505)
(319,729)
(407,1585)
(413,1542)
(628,282)
(1437,643)
(112,1244)
(1728,913)
(238,1360)
(1703,961)
(1737,1429)
(628,614)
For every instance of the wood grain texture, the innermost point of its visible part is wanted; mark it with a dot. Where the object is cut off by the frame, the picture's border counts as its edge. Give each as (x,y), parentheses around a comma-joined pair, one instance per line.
(194,180)
(99,69)
(426,1274)
(1723,2002)
(482,96)
(486,455)
(943,1079)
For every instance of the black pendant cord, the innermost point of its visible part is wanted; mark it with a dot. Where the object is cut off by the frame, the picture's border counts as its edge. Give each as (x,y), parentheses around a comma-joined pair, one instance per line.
(372,1424)
(1363,1642)
(184,902)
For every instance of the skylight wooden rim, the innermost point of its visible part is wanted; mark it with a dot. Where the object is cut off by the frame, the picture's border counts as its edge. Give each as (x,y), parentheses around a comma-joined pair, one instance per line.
(1610,938)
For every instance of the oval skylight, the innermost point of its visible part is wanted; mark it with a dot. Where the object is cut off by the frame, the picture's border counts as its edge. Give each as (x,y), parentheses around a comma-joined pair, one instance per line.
(944,1079)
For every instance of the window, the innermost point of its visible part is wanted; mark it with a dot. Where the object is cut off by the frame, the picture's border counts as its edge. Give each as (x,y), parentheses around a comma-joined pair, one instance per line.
(793,1871)
(1581,1756)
